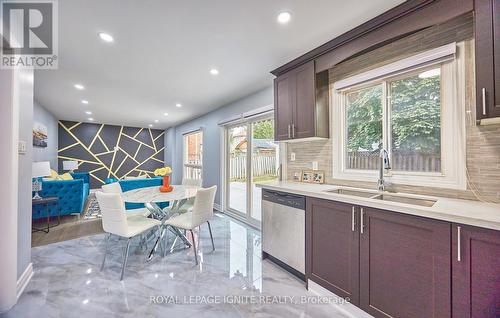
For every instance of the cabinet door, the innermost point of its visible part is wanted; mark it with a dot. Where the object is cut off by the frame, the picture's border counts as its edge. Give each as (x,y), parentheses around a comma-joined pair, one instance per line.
(332,247)
(284,101)
(476,272)
(304,120)
(487,36)
(404,265)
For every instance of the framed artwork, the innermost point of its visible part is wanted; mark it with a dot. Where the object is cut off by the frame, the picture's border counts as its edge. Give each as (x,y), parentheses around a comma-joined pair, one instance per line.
(318,176)
(307,176)
(39,135)
(313,176)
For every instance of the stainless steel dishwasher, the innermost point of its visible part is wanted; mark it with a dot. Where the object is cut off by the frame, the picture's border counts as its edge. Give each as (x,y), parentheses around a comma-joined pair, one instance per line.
(283,230)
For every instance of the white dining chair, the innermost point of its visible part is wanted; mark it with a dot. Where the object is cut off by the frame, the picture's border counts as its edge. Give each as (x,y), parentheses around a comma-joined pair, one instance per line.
(115,187)
(192,182)
(116,222)
(187,204)
(202,211)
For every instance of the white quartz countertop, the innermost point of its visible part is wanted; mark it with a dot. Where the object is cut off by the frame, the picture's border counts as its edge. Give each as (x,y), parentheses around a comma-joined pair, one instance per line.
(486,215)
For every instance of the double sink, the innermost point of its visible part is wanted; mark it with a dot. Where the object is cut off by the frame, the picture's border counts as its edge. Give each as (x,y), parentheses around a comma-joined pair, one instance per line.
(384,197)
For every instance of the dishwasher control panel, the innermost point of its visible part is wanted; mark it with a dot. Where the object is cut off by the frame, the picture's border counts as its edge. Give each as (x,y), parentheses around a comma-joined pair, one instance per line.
(283,198)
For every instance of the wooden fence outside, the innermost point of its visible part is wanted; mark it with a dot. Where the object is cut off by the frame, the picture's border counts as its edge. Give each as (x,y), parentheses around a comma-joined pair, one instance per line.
(261,166)
(402,161)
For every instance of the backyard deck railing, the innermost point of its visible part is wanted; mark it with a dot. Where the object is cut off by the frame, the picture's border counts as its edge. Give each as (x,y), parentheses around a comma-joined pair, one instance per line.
(193,170)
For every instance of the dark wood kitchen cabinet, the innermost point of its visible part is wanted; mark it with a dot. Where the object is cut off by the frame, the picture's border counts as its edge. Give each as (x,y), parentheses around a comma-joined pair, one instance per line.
(332,247)
(389,264)
(301,104)
(487,39)
(404,265)
(476,272)
(284,95)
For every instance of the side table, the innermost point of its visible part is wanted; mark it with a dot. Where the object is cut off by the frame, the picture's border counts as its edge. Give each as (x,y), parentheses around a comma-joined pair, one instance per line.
(47,201)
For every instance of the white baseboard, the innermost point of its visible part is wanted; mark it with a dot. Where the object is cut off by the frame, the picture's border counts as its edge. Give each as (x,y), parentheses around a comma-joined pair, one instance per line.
(348,309)
(218,207)
(25,278)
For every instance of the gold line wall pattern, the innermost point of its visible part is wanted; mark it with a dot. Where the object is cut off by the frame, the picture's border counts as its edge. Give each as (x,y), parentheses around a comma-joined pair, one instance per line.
(108,151)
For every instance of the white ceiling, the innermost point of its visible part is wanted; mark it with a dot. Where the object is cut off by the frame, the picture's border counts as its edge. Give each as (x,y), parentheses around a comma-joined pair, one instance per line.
(163,52)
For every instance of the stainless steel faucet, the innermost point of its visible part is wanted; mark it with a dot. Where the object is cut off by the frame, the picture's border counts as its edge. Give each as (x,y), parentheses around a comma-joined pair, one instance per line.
(384,164)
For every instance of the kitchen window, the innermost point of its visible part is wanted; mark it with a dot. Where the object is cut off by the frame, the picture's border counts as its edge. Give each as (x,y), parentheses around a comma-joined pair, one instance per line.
(415,113)
(193,155)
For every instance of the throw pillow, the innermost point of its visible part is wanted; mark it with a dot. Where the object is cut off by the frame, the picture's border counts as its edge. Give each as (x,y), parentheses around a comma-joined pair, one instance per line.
(66,176)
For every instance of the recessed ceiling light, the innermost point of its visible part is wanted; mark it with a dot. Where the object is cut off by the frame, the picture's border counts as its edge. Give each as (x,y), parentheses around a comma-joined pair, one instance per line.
(106,37)
(165,114)
(214,71)
(90,119)
(79,87)
(156,120)
(88,112)
(284,17)
(178,105)
(85,101)
(150,125)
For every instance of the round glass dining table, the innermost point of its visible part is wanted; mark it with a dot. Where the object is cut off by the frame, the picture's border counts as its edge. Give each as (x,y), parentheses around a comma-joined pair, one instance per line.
(153,194)
(150,196)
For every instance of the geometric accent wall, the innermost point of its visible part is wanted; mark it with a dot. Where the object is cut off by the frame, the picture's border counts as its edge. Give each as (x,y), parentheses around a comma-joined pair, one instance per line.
(109,151)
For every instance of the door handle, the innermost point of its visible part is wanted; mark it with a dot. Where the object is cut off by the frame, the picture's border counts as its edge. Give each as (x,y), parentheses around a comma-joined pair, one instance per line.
(289,131)
(483,95)
(362,225)
(293,130)
(459,243)
(353,219)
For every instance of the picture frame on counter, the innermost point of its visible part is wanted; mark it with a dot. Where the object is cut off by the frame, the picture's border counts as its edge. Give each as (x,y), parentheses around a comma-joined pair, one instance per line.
(313,176)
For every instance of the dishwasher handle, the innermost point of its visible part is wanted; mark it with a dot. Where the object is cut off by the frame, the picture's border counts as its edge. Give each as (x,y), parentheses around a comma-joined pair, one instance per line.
(283,198)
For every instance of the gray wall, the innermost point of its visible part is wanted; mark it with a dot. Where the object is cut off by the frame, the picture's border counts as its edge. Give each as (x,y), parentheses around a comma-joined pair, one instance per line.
(49,153)
(24,174)
(211,137)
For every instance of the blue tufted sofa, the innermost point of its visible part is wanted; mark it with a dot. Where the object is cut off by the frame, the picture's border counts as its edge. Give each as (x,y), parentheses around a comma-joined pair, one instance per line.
(72,195)
(132,184)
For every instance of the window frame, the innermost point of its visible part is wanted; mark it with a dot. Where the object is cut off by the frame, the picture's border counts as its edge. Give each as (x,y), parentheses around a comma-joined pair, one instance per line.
(453,172)
(185,150)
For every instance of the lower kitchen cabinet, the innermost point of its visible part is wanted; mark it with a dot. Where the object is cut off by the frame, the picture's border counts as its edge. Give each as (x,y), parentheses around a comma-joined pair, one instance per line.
(332,247)
(405,265)
(398,265)
(476,272)
(389,264)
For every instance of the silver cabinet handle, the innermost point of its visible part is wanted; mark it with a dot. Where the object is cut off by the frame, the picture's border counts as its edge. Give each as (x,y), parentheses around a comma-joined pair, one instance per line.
(459,253)
(353,219)
(483,92)
(293,130)
(362,225)
(288,130)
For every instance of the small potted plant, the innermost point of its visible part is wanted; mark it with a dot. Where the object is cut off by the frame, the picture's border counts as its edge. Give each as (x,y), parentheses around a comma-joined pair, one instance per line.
(165,173)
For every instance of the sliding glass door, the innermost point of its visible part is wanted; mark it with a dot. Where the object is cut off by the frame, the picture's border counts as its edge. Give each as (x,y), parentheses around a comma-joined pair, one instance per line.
(237,142)
(251,157)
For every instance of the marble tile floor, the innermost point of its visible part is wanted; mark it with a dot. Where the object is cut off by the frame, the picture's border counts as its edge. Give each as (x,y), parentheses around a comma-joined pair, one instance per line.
(230,282)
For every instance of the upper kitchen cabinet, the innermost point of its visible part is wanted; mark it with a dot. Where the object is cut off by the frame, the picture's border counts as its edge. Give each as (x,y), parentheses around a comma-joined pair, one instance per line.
(487,37)
(301,104)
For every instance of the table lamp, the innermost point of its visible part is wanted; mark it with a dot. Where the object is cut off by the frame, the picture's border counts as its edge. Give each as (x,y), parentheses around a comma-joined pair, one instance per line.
(70,165)
(39,170)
